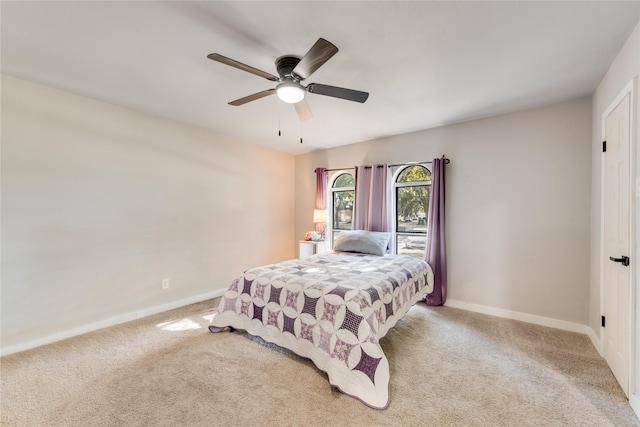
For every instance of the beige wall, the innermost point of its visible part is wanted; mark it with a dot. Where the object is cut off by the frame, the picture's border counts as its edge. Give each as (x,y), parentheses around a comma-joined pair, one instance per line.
(518,204)
(100,203)
(624,68)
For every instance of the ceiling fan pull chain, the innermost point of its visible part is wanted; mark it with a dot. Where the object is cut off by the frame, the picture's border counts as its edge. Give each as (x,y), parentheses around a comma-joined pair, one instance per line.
(279,125)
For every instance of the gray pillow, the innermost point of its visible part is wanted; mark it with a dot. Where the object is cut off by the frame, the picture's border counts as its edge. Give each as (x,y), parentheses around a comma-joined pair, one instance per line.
(364,242)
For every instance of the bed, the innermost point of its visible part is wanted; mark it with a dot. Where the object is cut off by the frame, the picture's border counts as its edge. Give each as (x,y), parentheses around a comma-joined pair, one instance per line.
(332,308)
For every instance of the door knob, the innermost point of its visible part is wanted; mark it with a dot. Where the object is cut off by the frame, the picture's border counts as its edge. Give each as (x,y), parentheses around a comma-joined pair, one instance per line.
(624,260)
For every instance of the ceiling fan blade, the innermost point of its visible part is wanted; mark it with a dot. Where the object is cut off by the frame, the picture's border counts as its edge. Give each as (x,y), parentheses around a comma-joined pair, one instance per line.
(303,110)
(241,66)
(338,92)
(319,53)
(253,97)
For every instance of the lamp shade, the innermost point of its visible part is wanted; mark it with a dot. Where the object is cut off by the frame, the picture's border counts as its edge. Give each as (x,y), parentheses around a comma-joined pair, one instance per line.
(319,215)
(290,92)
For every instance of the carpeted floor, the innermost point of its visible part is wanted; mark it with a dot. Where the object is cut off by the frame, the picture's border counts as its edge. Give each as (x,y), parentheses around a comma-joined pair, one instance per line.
(448,367)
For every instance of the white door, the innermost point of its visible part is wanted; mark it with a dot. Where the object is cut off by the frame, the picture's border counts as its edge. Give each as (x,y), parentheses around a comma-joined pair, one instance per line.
(617,236)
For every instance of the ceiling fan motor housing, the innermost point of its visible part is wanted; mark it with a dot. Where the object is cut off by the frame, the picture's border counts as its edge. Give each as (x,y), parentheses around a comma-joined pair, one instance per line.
(285,65)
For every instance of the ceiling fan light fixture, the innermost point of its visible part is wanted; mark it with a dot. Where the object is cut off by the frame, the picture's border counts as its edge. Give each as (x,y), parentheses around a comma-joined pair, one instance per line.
(290,92)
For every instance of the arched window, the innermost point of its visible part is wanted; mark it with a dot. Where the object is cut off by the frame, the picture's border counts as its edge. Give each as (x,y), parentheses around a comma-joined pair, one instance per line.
(342,194)
(412,188)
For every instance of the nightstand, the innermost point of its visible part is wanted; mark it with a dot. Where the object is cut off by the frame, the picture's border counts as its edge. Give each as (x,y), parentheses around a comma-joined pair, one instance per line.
(309,247)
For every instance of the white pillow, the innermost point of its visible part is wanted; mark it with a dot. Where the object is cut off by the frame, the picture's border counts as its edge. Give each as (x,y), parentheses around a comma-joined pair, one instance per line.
(365,242)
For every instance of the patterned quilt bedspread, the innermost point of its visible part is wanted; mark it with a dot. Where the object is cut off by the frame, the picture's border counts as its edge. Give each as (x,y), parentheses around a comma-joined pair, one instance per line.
(331,308)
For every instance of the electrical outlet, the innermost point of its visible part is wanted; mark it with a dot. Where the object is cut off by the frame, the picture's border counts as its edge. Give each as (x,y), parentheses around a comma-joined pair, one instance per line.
(165,283)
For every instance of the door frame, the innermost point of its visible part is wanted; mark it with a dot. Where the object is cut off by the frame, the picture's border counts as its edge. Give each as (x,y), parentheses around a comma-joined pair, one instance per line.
(634,296)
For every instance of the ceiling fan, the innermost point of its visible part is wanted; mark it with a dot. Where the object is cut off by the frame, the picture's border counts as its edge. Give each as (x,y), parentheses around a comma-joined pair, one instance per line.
(291,72)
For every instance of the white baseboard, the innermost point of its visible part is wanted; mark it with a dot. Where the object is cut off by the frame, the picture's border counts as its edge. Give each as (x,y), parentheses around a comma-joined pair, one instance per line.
(112,321)
(595,340)
(116,320)
(524,317)
(634,401)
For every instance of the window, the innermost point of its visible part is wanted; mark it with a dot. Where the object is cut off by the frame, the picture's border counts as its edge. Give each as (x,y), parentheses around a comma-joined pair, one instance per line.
(412,188)
(342,192)
(411,192)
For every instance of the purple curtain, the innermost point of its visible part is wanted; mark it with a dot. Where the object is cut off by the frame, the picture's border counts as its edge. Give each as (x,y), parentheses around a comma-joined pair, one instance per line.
(321,188)
(361,203)
(370,211)
(436,249)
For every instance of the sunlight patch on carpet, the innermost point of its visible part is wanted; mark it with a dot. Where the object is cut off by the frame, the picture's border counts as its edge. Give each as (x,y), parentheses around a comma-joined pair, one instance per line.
(179,325)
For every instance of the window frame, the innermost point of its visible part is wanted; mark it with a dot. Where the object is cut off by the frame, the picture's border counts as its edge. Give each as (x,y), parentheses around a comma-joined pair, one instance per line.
(395,185)
(329,234)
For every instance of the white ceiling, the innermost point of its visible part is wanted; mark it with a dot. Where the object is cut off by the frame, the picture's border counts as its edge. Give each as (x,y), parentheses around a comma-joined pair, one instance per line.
(425,64)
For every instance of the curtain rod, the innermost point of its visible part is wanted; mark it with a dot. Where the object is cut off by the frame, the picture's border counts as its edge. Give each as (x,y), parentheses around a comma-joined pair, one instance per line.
(446,161)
